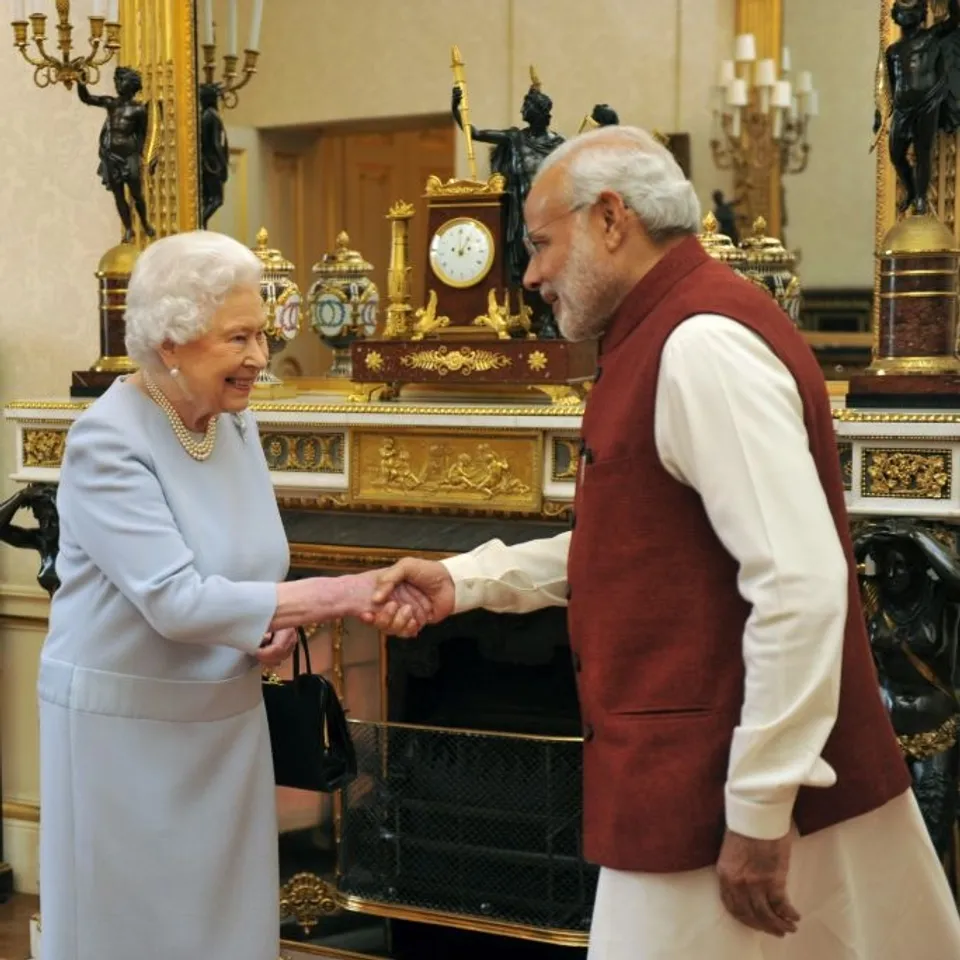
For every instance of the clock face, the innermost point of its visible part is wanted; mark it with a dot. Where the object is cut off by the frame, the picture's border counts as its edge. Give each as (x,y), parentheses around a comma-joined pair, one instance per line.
(461,252)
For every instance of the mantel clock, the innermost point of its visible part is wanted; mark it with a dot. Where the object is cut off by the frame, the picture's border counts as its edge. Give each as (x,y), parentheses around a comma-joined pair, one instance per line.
(467,281)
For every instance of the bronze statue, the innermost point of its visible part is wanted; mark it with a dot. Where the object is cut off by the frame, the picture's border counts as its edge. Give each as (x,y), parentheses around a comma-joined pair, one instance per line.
(123,139)
(41,499)
(912,608)
(919,88)
(214,152)
(723,210)
(517,155)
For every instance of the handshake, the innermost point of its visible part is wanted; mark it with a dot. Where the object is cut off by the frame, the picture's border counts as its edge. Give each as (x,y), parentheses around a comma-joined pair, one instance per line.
(399,600)
(409,595)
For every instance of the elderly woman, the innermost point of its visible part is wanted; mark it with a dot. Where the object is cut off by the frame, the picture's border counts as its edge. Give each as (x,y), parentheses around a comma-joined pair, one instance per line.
(159,835)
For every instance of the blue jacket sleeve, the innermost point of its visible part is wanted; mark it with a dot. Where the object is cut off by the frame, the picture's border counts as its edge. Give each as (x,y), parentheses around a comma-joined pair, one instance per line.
(113,506)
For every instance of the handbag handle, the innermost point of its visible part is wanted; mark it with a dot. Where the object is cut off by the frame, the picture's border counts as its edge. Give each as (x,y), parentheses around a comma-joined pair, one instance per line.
(301,642)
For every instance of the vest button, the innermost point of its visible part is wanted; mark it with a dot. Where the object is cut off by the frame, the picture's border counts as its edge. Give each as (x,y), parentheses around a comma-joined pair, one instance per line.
(587,733)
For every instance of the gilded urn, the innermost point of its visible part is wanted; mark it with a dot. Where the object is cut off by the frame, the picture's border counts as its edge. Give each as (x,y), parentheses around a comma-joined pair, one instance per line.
(281,300)
(770,265)
(344,303)
(719,245)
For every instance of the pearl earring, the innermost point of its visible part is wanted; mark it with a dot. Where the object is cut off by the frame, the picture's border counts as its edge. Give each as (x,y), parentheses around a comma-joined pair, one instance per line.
(174,371)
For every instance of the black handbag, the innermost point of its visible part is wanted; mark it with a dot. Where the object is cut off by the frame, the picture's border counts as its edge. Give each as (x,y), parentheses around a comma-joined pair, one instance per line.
(309,737)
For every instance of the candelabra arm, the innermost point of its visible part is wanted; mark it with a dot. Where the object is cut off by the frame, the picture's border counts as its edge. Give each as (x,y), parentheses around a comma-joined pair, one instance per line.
(45,62)
(722,157)
(230,84)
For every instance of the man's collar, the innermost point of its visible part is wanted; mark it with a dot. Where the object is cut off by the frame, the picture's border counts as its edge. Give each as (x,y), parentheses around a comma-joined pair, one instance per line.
(672,267)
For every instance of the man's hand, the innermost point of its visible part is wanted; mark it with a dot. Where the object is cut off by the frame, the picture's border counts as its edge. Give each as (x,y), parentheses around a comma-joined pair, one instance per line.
(277,646)
(400,611)
(753,882)
(428,579)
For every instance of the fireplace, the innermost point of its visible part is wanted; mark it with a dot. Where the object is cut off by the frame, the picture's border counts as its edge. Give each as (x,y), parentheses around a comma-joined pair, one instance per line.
(467,808)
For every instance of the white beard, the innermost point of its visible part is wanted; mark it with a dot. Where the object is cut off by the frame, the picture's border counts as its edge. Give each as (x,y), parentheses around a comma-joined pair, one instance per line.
(586,297)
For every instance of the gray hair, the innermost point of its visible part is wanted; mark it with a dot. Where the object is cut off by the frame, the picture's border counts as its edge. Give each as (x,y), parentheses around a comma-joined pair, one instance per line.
(177,285)
(628,161)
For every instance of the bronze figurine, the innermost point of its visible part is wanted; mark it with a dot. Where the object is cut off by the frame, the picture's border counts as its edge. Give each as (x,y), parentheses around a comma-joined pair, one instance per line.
(912,610)
(517,155)
(123,139)
(214,152)
(920,83)
(41,499)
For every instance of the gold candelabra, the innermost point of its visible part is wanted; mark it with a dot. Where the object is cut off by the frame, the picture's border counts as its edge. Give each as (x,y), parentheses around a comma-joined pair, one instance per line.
(761,120)
(68,69)
(232,80)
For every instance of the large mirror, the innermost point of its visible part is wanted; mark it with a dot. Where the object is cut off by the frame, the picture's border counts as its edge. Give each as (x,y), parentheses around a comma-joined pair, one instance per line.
(829,208)
(349,111)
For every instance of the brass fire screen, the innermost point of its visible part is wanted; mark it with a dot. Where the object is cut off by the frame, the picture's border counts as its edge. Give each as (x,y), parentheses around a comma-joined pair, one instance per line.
(467,823)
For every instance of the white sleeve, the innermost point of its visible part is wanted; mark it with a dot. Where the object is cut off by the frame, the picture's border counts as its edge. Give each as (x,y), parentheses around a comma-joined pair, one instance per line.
(515,579)
(729,423)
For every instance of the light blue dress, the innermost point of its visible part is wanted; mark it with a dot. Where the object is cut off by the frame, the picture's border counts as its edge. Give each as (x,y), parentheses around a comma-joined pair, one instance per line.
(158,833)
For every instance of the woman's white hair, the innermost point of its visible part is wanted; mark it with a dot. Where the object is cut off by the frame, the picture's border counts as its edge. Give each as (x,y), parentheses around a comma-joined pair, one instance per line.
(177,285)
(629,162)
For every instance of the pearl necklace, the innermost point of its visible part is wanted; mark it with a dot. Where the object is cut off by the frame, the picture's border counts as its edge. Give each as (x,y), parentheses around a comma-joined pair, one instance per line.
(198,449)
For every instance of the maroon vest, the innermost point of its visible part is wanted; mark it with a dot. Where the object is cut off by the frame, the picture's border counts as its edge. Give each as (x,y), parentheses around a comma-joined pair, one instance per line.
(656,620)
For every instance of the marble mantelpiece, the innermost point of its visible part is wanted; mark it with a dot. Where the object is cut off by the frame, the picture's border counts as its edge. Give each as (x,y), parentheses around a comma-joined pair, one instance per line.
(410,466)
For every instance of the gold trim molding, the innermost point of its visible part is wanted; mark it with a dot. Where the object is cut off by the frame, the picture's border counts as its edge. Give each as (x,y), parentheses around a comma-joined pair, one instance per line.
(21,811)
(563,938)
(313,556)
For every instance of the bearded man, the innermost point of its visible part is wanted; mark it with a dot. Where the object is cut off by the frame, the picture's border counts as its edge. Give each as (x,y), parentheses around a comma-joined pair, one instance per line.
(743,790)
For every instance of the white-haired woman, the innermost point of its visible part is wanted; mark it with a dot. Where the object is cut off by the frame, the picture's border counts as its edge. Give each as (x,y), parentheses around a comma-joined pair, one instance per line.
(159,831)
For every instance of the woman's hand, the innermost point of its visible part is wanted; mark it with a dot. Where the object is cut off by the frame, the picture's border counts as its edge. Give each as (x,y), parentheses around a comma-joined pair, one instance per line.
(277,646)
(401,612)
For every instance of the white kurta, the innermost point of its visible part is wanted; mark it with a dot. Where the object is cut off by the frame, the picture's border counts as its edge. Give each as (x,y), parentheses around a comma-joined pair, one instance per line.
(729,423)
(158,834)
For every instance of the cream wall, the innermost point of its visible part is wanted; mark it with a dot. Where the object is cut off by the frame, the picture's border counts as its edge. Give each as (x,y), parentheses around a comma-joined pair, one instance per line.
(831,205)
(57,220)
(323,61)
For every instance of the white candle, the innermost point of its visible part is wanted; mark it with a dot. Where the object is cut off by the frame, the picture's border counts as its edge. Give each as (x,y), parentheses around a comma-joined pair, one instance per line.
(99,8)
(746,48)
(18,10)
(255,22)
(737,93)
(232,29)
(812,104)
(782,95)
(804,82)
(792,112)
(113,12)
(735,123)
(208,22)
(777,124)
(766,73)
(785,60)
(727,73)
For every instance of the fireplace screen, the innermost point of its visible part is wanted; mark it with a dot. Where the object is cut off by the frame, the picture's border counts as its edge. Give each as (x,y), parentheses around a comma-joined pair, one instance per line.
(469,823)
